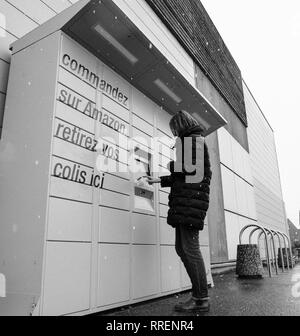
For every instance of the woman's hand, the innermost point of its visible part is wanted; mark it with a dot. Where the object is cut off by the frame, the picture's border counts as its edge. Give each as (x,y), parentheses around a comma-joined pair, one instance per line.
(151,180)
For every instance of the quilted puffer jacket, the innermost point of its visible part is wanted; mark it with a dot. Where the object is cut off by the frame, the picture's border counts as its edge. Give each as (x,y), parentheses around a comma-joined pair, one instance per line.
(188,202)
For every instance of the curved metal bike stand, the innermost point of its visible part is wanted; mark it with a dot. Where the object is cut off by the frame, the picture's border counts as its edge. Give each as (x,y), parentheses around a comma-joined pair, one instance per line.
(252,233)
(266,240)
(286,251)
(281,254)
(269,232)
(290,249)
(274,248)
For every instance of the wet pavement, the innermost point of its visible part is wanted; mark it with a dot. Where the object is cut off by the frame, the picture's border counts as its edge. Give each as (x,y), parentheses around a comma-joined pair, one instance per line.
(231,296)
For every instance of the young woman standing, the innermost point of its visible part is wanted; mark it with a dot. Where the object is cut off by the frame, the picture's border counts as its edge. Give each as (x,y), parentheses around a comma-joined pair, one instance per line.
(188,204)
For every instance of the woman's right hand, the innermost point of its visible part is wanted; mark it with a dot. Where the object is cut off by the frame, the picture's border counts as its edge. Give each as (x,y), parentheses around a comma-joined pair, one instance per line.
(151,180)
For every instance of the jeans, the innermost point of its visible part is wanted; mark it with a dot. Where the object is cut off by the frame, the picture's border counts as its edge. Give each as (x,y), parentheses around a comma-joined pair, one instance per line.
(188,249)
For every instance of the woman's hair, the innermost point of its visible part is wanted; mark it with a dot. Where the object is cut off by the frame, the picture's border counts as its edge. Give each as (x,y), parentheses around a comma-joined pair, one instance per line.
(181,122)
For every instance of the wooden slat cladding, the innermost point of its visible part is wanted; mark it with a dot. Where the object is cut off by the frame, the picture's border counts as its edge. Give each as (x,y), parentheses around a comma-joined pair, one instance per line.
(192,26)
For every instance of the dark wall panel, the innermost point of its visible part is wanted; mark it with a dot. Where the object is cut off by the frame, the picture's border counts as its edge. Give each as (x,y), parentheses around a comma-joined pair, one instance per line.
(234,125)
(192,26)
(216,214)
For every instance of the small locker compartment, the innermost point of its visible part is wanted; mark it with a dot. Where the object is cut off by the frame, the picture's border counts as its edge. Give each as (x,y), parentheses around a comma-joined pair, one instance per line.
(143,191)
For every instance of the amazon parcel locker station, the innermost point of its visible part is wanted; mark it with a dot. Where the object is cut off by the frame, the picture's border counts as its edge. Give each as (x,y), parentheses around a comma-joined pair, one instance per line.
(88,237)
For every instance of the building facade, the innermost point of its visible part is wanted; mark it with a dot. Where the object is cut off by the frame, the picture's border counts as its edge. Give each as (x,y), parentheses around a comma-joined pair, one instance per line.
(83,75)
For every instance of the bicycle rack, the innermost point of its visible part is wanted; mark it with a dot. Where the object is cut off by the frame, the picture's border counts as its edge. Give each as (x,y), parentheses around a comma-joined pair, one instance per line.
(274,248)
(266,241)
(281,254)
(252,233)
(289,256)
(290,246)
(286,250)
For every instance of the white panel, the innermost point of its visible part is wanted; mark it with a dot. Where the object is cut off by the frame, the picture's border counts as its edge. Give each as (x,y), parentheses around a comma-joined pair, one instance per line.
(232,233)
(69,97)
(115,168)
(133,144)
(163,198)
(64,129)
(120,86)
(251,202)
(69,221)
(114,200)
(25,160)
(163,119)
(264,165)
(225,148)
(75,117)
(142,125)
(113,274)
(24,24)
(170,269)
(113,107)
(166,151)
(229,190)
(142,137)
(238,158)
(110,150)
(241,194)
(144,268)
(114,226)
(72,171)
(117,184)
(58,5)
(164,210)
(76,84)
(70,190)
(113,116)
(166,190)
(164,161)
(79,61)
(243,222)
(144,229)
(71,152)
(35,9)
(247,168)
(165,139)
(113,135)
(67,278)
(163,172)
(167,233)
(143,106)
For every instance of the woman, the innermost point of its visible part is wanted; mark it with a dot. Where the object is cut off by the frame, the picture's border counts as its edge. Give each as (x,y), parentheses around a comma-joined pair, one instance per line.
(188,204)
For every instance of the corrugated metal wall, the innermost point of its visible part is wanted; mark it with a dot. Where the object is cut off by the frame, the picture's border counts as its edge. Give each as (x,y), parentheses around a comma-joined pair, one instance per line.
(265,170)
(17,18)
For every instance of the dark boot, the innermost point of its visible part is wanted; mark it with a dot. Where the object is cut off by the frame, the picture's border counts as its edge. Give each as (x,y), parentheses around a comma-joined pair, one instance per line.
(193,305)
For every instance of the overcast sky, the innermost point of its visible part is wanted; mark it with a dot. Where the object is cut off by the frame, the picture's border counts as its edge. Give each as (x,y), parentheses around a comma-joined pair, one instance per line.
(264,39)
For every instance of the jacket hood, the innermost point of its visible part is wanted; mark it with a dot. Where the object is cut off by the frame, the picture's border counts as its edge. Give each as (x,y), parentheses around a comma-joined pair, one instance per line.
(195,131)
